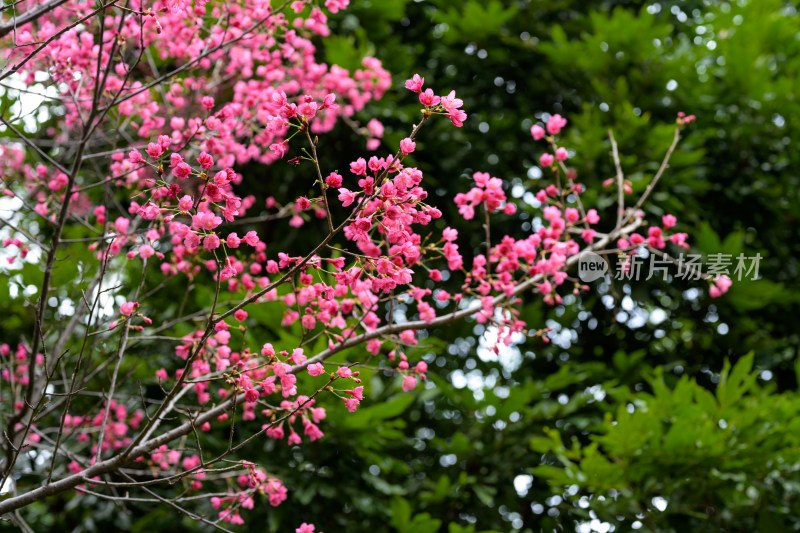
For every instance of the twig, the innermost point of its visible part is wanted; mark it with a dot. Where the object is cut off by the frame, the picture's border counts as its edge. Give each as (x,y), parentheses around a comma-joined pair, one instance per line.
(29,16)
(620,179)
(661,169)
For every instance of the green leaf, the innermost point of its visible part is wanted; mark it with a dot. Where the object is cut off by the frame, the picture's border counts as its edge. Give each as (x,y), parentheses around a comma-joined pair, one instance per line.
(400,514)
(389,9)
(342,51)
(423,523)
(705,399)
(485,494)
(453,527)
(707,240)
(748,295)
(389,409)
(734,384)
(370,417)
(797,366)
(442,488)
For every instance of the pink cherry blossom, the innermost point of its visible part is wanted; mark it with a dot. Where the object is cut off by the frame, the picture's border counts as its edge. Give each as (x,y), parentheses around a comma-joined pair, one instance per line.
(359,167)
(450,103)
(211,242)
(555,124)
(720,286)
(428,99)
(415,83)
(407,146)
(346,197)
(316,369)
(207,102)
(232,241)
(255,82)
(146,251)
(205,160)
(251,238)
(457,117)
(333,180)
(186,203)
(351,403)
(182,170)
(127,308)
(154,150)
(357,393)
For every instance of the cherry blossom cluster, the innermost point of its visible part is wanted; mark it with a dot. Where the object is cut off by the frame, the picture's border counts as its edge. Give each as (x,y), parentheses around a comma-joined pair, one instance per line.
(273,60)
(562,218)
(246,88)
(337,296)
(445,105)
(15,364)
(488,192)
(21,247)
(252,481)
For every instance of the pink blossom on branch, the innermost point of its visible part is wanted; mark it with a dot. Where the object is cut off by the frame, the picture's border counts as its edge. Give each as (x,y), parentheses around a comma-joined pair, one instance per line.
(242,103)
(720,286)
(555,124)
(127,308)
(407,146)
(415,83)
(537,132)
(428,99)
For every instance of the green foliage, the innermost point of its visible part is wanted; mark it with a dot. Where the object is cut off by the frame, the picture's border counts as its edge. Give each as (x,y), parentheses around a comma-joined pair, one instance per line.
(629,67)
(474,21)
(618,417)
(347,52)
(682,456)
(404,523)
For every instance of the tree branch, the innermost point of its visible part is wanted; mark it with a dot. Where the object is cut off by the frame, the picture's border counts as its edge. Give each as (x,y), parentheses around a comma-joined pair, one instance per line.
(29,16)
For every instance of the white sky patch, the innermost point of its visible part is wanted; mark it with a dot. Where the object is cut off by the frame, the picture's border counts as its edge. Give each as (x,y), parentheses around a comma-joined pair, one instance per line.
(659,503)
(595,526)
(8,486)
(29,99)
(509,357)
(10,212)
(522,484)
(657,316)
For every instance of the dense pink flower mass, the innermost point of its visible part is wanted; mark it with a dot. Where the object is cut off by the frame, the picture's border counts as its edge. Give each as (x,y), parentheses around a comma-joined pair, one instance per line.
(174,208)
(488,192)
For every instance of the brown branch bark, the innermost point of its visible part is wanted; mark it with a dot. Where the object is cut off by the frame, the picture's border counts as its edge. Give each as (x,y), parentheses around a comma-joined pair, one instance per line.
(29,16)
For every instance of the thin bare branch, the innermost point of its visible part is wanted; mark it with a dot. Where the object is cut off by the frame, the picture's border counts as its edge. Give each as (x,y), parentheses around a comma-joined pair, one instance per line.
(29,16)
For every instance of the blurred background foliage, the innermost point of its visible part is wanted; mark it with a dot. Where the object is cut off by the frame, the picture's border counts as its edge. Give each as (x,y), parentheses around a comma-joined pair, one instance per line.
(632,417)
